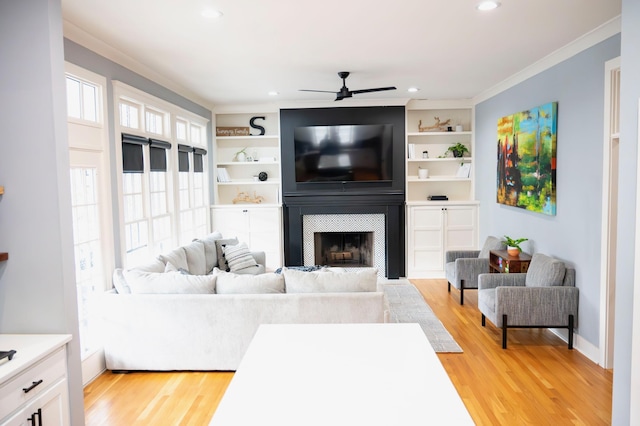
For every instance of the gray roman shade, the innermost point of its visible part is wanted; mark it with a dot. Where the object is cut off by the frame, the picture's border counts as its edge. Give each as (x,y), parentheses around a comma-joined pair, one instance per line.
(158,155)
(132,158)
(183,157)
(198,161)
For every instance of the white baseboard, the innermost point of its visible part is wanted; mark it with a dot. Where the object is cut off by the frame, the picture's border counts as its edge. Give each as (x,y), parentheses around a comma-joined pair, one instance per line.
(580,344)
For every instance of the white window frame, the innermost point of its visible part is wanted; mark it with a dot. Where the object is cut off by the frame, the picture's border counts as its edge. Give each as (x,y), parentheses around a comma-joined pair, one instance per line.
(89,146)
(172,114)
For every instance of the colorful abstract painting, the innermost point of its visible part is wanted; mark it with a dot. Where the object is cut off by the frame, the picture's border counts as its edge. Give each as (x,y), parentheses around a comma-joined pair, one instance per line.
(527,159)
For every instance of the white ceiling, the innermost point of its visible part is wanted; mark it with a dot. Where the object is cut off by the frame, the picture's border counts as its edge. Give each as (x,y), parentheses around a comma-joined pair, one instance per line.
(447,48)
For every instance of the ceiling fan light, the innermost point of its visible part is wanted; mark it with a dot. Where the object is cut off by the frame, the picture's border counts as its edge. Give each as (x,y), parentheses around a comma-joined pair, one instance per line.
(412,89)
(273,93)
(487,5)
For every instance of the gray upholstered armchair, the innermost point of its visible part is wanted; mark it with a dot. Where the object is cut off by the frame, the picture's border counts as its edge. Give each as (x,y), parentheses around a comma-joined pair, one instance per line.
(544,297)
(463,267)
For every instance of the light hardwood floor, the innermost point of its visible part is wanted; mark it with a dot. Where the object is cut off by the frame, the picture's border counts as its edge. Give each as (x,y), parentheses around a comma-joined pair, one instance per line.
(536,381)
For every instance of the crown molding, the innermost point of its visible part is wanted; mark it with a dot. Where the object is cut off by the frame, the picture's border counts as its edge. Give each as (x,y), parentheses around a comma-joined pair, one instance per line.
(590,39)
(81,37)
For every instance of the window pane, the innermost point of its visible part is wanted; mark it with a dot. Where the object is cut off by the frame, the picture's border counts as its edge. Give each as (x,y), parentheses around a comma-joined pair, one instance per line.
(196,135)
(89,102)
(181,130)
(153,122)
(128,115)
(73,98)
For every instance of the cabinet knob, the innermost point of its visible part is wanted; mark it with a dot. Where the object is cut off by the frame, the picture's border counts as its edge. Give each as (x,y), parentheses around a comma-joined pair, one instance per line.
(245,211)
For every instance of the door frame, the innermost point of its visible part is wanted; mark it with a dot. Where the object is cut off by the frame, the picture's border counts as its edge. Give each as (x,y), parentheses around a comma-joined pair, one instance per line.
(609,211)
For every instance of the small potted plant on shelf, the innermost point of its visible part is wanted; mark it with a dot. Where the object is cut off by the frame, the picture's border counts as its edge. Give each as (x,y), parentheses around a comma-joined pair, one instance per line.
(513,245)
(457,150)
(241,155)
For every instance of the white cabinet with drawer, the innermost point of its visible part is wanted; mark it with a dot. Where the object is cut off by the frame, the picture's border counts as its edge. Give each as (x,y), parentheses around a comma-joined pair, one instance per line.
(435,229)
(33,384)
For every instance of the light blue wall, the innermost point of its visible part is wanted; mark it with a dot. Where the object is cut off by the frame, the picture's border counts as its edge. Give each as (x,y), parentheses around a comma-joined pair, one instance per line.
(85,58)
(37,283)
(573,235)
(627,215)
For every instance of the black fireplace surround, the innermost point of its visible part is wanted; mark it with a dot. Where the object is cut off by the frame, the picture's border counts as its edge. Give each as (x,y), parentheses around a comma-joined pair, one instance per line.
(369,197)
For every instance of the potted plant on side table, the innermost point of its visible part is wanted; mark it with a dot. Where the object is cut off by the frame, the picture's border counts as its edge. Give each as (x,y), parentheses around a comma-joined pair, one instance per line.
(513,245)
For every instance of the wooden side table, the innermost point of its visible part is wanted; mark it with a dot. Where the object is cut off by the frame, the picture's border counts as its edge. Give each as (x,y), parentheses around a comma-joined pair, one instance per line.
(501,262)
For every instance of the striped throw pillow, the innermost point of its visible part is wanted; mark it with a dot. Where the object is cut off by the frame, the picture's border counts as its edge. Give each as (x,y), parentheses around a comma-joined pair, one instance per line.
(238,257)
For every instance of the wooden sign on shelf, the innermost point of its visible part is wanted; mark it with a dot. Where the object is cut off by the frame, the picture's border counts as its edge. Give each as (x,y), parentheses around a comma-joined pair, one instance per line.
(232,131)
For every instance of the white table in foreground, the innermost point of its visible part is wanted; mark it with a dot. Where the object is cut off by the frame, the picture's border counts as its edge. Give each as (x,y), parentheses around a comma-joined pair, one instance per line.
(340,374)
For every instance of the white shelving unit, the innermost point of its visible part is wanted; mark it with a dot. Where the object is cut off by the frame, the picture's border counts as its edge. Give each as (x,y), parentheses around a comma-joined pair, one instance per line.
(442,179)
(434,227)
(257,224)
(264,153)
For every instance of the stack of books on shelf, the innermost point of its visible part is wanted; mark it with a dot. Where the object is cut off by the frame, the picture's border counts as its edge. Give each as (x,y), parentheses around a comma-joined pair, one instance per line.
(223,175)
(411,151)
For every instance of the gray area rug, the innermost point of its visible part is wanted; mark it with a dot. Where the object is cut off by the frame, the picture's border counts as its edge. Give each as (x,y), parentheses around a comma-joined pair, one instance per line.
(406,305)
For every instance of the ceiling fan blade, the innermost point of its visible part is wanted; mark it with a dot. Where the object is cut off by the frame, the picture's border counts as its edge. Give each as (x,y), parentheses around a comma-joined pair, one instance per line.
(378,89)
(319,91)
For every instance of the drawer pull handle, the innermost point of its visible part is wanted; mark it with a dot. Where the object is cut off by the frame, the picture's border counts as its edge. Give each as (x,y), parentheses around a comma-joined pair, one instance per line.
(33,385)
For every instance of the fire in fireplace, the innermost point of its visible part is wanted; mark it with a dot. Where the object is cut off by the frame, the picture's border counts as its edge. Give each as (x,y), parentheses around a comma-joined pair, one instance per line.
(346,249)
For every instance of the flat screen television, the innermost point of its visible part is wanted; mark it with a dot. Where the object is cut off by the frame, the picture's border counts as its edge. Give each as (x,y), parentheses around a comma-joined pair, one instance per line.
(343,153)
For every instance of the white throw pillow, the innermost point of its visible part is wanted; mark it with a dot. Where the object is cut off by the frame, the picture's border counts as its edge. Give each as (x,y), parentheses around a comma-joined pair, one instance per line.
(230,283)
(196,258)
(330,282)
(210,253)
(169,283)
(239,257)
(176,256)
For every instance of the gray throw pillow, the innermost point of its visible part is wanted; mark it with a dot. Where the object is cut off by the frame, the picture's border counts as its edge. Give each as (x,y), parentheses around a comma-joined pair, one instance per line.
(491,243)
(222,262)
(545,271)
(238,257)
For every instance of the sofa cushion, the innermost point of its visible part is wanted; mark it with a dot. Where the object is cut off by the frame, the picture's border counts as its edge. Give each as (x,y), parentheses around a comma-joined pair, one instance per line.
(176,256)
(238,257)
(545,271)
(491,243)
(324,281)
(196,258)
(169,283)
(230,283)
(156,265)
(170,267)
(220,244)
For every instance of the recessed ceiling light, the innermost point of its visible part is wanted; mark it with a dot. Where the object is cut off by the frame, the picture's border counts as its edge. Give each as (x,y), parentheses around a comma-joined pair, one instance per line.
(273,93)
(211,13)
(487,5)
(412,89)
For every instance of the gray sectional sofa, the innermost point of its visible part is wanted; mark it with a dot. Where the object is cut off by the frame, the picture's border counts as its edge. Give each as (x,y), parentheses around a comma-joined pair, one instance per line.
(177,320)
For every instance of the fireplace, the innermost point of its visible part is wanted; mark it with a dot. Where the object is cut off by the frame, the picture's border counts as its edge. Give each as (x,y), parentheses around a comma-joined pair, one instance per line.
(383,224)
(346,249)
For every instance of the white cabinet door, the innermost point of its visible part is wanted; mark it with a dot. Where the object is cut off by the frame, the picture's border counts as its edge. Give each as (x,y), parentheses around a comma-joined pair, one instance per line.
(49,408)
(266,235)
(426,241)
(460,228)
(259,227)
(432,231)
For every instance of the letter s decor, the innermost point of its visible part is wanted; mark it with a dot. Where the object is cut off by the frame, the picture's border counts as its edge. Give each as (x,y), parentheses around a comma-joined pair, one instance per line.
(255,126)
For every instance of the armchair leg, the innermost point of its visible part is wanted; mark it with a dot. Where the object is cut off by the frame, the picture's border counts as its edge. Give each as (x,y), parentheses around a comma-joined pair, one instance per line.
(484,320)
(504,332)
(448,286)
(570,332)
(462,292)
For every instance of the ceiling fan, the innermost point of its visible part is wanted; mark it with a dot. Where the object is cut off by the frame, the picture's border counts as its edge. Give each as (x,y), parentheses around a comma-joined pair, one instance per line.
(344,92)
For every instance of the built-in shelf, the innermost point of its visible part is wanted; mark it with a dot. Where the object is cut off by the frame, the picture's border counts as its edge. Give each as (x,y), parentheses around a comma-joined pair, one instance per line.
(438,133)
(246,163)
(435,160)
(250,182)
(4,256)
(437,179)
(237,138)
